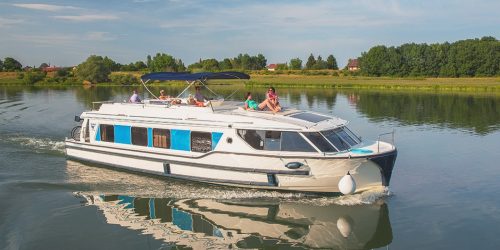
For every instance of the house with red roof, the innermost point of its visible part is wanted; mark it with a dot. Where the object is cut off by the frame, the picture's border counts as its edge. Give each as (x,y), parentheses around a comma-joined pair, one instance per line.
(272,67)
(353,65)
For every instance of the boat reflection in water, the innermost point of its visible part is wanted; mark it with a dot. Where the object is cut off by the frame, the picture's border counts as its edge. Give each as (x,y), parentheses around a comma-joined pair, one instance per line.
(208,223)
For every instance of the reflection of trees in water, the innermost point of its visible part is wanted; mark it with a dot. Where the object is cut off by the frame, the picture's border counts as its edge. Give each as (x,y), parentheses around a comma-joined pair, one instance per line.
(478,113)
(15,92)
(474,112)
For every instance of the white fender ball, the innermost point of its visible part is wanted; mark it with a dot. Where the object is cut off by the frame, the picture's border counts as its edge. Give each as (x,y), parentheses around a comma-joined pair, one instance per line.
(345,224)
(347,185)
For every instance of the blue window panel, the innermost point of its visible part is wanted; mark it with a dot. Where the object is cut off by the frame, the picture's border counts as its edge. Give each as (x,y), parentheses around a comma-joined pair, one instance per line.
(122,134)
(98,133)
(217,233)
(182,219)
(150,137)
(180,139)
(215,139)
(128,200)
(152,212)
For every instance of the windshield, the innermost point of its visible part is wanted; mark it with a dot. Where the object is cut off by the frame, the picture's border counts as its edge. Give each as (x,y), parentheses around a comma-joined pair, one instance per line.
(341,138)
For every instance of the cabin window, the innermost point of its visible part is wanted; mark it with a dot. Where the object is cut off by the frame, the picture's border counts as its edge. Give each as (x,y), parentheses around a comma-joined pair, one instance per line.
(352,135)
(201,141)
(161,138)
(346,137)
(107,133)
(292,141)
(254,138)
(139,136)
(276,140)
(335,139)
(272,141)
(320,142)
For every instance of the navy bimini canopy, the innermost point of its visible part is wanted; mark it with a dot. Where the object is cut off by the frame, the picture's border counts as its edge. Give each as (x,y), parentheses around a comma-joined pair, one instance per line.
(186,76)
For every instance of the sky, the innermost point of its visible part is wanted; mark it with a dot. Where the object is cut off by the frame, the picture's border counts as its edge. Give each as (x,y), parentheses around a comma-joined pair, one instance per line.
(65,33)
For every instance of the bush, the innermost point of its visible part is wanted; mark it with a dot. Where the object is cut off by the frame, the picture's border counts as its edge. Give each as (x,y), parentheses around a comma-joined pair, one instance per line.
(33,77)
(125,79)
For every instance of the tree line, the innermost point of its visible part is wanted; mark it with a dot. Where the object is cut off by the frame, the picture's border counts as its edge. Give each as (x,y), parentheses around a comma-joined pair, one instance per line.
(464,58)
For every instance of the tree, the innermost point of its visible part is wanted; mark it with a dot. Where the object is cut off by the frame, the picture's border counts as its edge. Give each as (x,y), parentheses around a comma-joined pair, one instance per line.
(331,62)
(225,64)
(281,66)
(140,65)
(11,64)
(471,57)
(64,72)
(296,63)
(311,61)
(260,62)
(110,64)
(93,70)
(320,63)
(43,65)
(1,65)
(164,62)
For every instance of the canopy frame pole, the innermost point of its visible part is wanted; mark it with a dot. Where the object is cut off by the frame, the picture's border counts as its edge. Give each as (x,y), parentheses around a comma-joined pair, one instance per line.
(206,86)
(234,92)
(146,87)
(189,85)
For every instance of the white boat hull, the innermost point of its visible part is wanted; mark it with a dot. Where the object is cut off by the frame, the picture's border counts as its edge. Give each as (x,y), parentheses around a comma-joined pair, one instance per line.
(320,174)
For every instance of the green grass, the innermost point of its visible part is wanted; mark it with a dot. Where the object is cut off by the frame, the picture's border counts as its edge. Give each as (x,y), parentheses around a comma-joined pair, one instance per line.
(301,81)
(476,84)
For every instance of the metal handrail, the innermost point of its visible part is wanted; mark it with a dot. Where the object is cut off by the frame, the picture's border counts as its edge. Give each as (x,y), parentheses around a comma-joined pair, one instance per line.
(101,103)
(380,135)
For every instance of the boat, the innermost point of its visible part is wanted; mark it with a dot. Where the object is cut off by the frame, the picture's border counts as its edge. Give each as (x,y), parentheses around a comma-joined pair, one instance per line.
(230,224)
(222,143)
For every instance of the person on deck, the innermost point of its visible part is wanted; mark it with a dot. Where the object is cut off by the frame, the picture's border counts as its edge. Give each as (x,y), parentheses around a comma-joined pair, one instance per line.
(135,97)
(163,96)
(250,104)
(273,99)
(199,98)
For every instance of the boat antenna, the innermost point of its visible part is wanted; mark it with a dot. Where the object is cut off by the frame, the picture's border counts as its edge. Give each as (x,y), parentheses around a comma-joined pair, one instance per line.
(146,87)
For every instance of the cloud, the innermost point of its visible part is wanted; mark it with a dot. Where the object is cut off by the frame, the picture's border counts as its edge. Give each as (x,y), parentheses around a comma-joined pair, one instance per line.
(45,7)
(9,22)
(99,36)
(88,18)
(58,39)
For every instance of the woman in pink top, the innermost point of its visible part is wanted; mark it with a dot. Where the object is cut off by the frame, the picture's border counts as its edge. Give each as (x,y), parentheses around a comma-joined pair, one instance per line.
(273,99)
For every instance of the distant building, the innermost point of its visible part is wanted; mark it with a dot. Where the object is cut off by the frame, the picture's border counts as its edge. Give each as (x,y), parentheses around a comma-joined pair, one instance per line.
(272,67)
(51,68)
(27,68)
(353,65)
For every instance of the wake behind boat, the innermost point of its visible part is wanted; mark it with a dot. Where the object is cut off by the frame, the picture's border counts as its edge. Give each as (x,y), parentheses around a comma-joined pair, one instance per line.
(220,142)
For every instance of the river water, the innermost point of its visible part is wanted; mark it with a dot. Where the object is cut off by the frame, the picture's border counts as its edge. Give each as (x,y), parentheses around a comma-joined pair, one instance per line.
(444,191)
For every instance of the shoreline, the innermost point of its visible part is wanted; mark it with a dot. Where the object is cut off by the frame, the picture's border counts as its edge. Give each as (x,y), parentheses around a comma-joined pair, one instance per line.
(475,84)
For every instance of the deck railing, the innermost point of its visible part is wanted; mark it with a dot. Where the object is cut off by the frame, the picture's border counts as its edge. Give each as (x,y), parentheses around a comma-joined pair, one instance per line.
(97,105)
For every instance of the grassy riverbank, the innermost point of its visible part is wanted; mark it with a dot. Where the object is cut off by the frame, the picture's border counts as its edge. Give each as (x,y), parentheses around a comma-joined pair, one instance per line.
(359,82)
(477,84)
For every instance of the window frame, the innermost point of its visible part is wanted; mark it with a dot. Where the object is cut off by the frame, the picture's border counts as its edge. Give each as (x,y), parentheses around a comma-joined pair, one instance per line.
(312,147)
(155,131)
(133,141)
(206,135)
(325,139)
(103,133)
